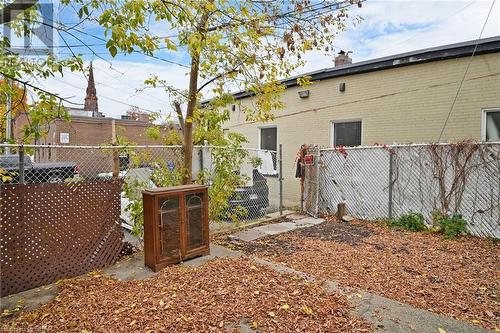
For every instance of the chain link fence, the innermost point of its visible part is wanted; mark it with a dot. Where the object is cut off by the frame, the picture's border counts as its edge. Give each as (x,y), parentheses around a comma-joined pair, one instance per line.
(255,196)
(388,181)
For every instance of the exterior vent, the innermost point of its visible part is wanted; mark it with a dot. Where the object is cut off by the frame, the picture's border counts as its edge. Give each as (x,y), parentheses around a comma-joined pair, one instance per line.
(304,93)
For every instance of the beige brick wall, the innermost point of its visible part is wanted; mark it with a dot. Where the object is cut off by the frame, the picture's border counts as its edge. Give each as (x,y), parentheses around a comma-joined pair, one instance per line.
(399,105)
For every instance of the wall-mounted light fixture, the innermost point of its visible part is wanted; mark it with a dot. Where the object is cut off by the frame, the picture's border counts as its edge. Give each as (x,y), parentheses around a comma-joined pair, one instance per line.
(304,93)
(233,107)
(342,87)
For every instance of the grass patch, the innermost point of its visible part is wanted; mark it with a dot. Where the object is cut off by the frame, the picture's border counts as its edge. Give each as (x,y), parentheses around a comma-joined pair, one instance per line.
(410,221)
(450,227)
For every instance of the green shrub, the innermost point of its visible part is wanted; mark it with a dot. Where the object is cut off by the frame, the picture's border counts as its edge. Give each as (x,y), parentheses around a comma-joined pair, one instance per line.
(411,221)
(451,227)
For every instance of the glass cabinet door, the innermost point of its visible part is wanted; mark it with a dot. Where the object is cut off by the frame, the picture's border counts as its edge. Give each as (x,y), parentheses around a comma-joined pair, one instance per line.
(169,227)
(194,220)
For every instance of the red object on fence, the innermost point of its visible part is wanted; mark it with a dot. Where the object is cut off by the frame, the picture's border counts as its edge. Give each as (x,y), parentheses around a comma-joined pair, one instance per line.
(309,160)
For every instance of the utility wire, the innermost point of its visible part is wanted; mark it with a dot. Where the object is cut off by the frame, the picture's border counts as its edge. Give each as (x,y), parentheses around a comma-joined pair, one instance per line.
(110,98)
(466,70)
(26,83)
(440,22)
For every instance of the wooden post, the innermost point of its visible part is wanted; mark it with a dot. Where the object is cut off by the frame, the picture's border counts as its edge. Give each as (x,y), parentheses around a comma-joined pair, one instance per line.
(340,210)
(116,153)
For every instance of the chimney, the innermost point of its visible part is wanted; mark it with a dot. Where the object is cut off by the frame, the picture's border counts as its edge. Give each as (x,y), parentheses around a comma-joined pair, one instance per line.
(343,59)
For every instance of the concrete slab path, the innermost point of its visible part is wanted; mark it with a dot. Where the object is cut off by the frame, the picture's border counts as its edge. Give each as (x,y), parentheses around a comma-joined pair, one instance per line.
(296,221)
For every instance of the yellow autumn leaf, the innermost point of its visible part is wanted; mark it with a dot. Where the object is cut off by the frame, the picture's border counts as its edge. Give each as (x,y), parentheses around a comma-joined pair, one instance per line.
(253,325)
(272,314)
(285,306)
(307,310)
(162,303)
(133,322)
(440,330)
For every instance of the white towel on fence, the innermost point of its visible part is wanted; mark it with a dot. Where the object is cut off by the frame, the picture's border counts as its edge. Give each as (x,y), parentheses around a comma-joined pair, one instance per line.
(267,166)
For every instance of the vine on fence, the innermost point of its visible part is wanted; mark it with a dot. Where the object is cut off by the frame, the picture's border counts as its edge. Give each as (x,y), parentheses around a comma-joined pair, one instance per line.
(452,165)
(456,181)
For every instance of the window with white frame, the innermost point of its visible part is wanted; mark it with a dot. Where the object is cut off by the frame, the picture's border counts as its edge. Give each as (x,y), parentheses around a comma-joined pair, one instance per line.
(491,125)
(346,133)
(268,138)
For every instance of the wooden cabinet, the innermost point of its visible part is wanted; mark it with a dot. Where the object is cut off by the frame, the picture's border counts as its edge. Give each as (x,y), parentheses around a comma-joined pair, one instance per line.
(175,224)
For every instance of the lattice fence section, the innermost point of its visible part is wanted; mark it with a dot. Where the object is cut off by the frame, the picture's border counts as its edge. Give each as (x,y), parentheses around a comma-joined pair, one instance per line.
(54,231)
(362,177)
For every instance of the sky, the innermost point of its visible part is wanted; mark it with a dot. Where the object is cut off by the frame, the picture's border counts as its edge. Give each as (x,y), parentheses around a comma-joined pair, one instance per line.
(387,28)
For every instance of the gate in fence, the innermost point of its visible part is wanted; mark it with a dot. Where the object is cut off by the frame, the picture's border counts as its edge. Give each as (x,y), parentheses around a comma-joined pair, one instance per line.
(388,181)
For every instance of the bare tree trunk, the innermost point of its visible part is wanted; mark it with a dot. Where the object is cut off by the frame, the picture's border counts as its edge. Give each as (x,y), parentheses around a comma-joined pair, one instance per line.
(193,96)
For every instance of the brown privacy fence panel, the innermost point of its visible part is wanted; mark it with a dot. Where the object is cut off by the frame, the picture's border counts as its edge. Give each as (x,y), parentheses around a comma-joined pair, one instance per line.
(54,231)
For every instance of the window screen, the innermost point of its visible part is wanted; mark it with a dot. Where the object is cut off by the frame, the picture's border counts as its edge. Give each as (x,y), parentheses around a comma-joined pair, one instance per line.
(347,134)
(493,126)
(268,138)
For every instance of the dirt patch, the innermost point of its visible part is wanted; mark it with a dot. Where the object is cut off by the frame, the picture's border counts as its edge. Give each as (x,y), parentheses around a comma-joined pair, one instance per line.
(215,297)
(342,232)
(283,245)
(459,278)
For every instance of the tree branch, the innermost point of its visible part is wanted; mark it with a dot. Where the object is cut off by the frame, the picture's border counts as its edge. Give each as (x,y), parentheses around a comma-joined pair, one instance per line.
(178,110)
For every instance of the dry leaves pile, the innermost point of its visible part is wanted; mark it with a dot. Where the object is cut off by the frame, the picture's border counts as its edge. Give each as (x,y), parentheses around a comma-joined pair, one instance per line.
(458,278)
(218,296)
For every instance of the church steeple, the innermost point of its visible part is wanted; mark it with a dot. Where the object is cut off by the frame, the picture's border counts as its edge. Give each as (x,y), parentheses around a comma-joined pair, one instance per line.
(91,97)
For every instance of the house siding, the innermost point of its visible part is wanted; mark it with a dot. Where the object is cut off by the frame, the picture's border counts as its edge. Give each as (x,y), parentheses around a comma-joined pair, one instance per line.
(398,105)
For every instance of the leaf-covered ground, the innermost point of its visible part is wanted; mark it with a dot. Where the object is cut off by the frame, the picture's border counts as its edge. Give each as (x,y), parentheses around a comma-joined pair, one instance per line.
(458,278)
(217,296)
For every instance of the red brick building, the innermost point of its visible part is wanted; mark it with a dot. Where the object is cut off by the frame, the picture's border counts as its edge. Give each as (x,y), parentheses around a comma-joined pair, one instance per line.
(88,126)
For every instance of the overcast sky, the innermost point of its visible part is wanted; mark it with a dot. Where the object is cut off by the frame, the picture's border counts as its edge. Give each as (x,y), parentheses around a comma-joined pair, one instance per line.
(388,27)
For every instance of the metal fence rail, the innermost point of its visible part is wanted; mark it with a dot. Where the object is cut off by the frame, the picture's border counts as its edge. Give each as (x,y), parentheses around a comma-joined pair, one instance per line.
(152,165)
(380,182)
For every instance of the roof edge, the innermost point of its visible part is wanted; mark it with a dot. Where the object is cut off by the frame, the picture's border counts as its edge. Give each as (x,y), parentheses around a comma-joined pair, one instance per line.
(444,52)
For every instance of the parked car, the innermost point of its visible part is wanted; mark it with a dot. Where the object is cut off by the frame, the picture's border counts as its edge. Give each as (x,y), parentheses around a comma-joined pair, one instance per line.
(55,172)
(253,198)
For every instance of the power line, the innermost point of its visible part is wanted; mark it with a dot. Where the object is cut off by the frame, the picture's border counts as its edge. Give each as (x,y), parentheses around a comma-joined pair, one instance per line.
(26,83)
(111,98)
(441,22)
(466,70)
(159,101)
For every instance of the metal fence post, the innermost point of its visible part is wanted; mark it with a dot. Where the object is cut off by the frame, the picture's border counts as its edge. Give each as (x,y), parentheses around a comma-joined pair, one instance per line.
(201,158)
(21,164)
(280,161)
(317,160)
(391,162)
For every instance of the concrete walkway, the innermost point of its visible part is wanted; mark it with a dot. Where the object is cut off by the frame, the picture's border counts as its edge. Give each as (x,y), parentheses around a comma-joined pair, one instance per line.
(385,314)
(296,222)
